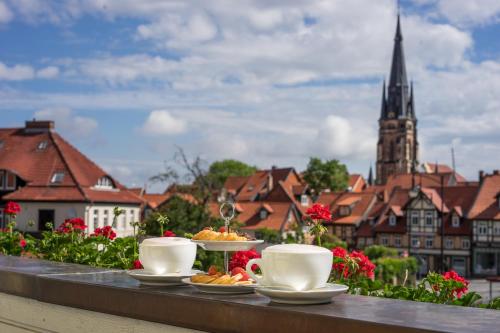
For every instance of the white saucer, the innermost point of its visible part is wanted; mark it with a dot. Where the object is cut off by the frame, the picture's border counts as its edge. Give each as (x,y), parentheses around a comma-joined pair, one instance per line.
(167,279)
(221,288)
(315,296)
(212,245)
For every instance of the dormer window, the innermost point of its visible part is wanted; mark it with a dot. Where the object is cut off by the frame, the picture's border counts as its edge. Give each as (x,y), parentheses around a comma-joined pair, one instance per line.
(304,200)
(42,145)
(1,144)
(250,188)
(57,178)
(455,221)
(263,214)
(104,183)
(344,210)
(392,220)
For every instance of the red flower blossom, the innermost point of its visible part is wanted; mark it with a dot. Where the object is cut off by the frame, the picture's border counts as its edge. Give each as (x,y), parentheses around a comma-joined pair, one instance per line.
(339,266)
(168,233)
(69,225)
(319,212)
(452,275)
(241,258)
(366,267)
(22,243)
(137,264)
(12,208)
(106,231)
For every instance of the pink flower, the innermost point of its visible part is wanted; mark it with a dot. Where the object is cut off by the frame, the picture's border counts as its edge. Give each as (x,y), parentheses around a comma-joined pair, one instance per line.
(168,233)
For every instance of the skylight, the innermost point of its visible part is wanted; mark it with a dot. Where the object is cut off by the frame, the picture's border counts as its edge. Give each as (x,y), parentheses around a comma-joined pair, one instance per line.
(57,177)
(42,145)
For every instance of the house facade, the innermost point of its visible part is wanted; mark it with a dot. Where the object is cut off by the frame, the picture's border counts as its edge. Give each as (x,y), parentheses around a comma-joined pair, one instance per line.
(53,181)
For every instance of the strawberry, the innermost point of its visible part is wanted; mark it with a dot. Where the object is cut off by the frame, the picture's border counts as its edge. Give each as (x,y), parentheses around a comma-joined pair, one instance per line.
(222,229)
(212,270)
(239,270)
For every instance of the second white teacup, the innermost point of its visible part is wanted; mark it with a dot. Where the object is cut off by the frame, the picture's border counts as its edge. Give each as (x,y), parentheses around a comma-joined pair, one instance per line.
(164,255)
(293,266)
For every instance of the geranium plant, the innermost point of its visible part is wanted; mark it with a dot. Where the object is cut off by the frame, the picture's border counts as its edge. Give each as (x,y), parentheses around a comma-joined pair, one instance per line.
(315,217)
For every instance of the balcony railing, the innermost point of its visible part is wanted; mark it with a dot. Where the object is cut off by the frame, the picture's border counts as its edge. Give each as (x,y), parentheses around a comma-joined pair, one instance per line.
(110,292)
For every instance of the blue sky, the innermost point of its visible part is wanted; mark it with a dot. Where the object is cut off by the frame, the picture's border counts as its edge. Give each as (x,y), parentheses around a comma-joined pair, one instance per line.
(269,83)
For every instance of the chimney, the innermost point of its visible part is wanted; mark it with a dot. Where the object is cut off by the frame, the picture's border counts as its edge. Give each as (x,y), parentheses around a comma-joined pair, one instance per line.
(481,176)
(39,126)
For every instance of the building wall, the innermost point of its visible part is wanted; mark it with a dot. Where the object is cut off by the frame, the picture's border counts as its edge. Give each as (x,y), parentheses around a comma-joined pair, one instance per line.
(486,248)
(28,219)
(390,240)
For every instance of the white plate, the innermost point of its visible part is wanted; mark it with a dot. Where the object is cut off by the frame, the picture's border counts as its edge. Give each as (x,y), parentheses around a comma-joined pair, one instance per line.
(168,279)
(315,296)
(212,245)
(221,288)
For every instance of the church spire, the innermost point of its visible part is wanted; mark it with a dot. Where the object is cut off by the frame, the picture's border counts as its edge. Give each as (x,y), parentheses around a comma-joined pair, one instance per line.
(370,176)
(383,107)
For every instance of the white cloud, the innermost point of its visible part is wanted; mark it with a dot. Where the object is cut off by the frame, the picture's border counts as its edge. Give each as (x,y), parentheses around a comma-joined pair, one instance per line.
(5,13)
(49,72)
(470,12)
(161,122)
(16,72)
(68,123)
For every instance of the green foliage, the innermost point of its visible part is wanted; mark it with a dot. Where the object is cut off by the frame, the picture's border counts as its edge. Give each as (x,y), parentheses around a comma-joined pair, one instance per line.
(378,251)
(219,171)
(389,268)
(268,235)
(331,241)
(330,174)
(11,241)
(184,217)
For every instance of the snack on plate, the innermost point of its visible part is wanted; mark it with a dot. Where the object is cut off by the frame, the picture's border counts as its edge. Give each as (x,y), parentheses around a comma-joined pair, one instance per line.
(237,277)
(211,235)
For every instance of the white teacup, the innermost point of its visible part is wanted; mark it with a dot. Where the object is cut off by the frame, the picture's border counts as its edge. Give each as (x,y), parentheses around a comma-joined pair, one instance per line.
(293,266)
(164,255)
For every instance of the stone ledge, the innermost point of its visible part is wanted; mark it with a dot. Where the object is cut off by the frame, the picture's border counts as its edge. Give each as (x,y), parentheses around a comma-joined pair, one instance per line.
(113,292)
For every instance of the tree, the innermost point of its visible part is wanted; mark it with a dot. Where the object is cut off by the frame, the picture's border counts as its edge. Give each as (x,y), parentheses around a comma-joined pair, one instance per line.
(219,171)
(330,174)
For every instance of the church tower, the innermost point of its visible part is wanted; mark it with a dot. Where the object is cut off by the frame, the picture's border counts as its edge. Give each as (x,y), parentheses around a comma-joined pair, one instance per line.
(397,147)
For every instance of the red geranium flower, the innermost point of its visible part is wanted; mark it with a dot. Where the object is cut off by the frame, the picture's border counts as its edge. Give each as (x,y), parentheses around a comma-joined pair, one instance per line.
(168,233)
(452,275)
(22,243)
(12,208)
(106,231)
(137,264)
(70,225)
(366,267)
(319,212)
(241,258)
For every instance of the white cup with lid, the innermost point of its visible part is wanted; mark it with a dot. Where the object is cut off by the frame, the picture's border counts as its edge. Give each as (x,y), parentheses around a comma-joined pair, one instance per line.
(167,255)
(298,267)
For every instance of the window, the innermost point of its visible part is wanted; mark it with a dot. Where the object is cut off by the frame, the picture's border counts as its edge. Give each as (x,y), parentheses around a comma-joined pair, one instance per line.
(369,241)
(96,218)
(397,241)
(496,228)
(105,220)
(344,210)
(263,214)
(384,241)
(465,244)
(415,242)
(429,219)
(455,221)
(448,243)
(57,178)
(1,217)
(250,188)
(10,180)
(482,228)
(414,218)
(1,144)
(361,241)
(392,220)
(304,200)
(429,242)
(42,145)
(104,182)
(132,216)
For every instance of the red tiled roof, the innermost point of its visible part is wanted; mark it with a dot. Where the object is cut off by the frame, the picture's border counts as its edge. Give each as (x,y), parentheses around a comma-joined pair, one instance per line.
(253,186)
(356,183)
(435,198)
(20,155)
(485,206)
(327,198)
(396,210)
(442,169)
(399,198)
(234,183)
(361,204)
